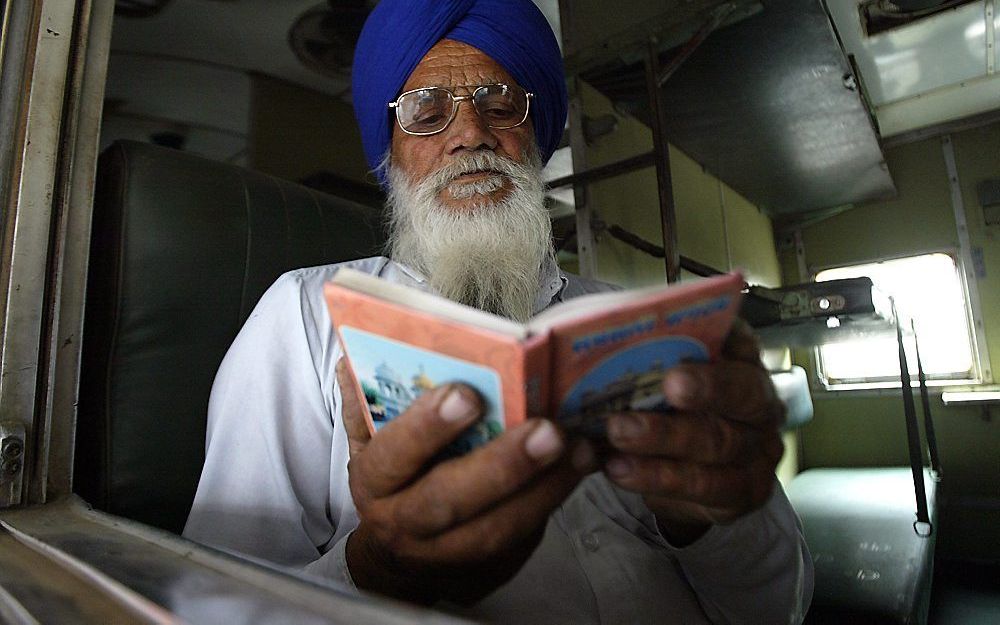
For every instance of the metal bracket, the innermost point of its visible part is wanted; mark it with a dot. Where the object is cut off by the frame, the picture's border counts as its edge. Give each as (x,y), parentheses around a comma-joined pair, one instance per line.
(11,463)
(991,37)
(968,263)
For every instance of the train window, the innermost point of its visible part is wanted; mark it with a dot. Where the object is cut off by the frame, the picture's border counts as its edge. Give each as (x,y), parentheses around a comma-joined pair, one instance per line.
(928,288)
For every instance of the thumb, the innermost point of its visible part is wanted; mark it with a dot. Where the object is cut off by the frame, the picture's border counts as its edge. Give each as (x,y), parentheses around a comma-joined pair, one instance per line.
(352,409)
(741,343)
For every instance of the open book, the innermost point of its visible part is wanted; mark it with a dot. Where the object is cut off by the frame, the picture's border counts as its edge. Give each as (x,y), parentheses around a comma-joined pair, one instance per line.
(575,362)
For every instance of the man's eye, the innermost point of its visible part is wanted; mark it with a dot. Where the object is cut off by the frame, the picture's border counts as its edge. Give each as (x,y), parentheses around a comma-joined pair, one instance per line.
(499,111)
(428,119)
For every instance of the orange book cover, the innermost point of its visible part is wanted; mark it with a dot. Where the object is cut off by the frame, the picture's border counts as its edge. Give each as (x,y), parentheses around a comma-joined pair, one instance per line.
(573,363)
(396,353)
(614,359)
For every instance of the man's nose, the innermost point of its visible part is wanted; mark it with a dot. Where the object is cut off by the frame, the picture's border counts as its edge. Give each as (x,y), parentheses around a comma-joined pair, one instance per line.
(468,131)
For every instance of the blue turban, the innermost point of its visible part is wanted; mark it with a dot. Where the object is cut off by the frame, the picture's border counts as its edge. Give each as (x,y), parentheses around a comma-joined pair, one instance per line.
(398,34)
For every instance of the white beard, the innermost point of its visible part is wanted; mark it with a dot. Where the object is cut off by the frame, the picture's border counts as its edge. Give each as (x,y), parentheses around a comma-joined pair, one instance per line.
(489,256)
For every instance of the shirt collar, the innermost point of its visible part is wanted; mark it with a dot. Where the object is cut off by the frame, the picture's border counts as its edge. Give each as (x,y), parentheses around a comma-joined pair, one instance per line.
(408,275)
(551,283)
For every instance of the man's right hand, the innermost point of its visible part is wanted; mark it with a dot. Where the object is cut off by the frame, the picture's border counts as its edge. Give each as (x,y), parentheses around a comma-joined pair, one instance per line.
(458,529)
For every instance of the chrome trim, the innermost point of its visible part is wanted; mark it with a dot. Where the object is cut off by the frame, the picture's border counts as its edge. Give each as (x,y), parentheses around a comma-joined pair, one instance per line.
(81,147)
(119,565)
(29,213)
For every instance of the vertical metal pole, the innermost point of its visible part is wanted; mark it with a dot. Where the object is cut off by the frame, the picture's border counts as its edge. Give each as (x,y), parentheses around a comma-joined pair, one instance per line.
(586,252)
(668,216)
(585,247)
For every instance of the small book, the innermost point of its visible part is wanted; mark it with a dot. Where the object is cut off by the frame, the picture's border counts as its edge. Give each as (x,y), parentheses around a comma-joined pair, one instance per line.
(575,362)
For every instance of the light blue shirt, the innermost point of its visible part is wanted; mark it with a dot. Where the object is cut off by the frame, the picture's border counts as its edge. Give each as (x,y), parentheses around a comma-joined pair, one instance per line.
(274,487)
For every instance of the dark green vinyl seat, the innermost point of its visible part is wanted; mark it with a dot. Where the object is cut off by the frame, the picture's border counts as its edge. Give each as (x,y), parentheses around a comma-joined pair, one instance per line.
(182,248)
(872,565)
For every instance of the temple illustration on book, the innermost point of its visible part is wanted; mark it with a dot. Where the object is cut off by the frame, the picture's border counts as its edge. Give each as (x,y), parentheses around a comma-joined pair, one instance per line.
(392,395)
(631,391)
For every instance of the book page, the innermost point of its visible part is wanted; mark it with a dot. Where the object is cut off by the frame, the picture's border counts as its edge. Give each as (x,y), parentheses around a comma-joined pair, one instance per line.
(598,303)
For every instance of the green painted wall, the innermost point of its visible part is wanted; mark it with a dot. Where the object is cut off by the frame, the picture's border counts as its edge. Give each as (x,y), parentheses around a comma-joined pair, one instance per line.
(296,132)
(867,428)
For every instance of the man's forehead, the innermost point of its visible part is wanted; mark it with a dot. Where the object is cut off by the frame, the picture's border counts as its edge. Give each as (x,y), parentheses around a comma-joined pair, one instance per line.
(452,63)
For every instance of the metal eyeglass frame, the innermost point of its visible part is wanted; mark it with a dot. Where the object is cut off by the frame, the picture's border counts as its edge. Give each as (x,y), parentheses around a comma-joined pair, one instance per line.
(455,101)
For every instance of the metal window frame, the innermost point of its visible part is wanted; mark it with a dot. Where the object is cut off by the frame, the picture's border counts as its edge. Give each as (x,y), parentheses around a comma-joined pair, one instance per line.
(966,264)
(974,376)
(48,198)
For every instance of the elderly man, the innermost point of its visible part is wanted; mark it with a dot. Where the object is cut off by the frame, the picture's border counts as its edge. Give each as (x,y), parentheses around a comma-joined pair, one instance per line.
(460,103)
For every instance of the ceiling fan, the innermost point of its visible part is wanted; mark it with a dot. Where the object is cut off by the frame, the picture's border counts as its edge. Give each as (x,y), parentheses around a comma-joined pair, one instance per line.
(324,37)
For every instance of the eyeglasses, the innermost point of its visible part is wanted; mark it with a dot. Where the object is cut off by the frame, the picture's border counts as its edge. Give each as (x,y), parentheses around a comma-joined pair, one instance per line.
(429,110)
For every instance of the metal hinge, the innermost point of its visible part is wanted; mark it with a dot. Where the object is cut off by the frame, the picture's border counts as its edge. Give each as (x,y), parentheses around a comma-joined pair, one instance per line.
(11,463)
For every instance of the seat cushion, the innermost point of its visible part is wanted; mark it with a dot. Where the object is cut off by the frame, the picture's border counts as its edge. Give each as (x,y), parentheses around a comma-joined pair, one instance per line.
(181,250)
(871,566)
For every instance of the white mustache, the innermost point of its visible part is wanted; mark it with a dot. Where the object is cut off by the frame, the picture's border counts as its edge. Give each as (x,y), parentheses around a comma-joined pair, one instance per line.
(476,162)
(490,257)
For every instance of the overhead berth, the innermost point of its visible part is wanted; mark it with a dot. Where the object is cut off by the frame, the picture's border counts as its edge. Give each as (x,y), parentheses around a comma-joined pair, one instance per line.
(769,103)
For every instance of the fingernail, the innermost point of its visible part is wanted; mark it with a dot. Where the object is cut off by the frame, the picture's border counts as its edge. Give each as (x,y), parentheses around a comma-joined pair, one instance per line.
(619,467)
(583,458)
(681,386)
(456,407)
(626,426)
(543,443)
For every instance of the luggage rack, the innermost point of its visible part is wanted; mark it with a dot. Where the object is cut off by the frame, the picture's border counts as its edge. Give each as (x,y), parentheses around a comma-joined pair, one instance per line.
(819,313)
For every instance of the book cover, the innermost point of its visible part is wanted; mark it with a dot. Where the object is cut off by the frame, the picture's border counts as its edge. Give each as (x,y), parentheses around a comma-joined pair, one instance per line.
(575,363)
(397,353)
(615,359)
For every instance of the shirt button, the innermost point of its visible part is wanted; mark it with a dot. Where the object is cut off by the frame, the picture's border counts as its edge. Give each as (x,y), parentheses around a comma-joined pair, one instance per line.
(591,542)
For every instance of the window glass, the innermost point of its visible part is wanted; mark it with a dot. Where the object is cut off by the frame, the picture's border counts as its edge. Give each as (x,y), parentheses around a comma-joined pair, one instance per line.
(929,290)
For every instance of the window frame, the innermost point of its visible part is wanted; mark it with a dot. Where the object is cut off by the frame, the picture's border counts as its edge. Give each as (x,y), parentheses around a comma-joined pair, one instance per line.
(937,383)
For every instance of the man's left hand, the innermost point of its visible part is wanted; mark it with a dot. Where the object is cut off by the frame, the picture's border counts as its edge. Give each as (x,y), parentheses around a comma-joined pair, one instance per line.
(712,458)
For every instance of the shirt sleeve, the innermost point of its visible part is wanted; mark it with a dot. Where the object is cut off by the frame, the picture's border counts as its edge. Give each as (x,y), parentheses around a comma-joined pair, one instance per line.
(754,570)
(274,482)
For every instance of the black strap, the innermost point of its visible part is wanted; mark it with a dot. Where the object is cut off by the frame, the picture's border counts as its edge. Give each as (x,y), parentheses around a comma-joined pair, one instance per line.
(912,429)
(932,448)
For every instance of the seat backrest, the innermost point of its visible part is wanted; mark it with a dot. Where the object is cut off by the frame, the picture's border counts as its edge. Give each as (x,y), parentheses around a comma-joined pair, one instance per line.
(182,248)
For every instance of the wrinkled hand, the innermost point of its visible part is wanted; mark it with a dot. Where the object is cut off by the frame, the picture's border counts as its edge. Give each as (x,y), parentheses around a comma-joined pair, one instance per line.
(712,459)
(458,529)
